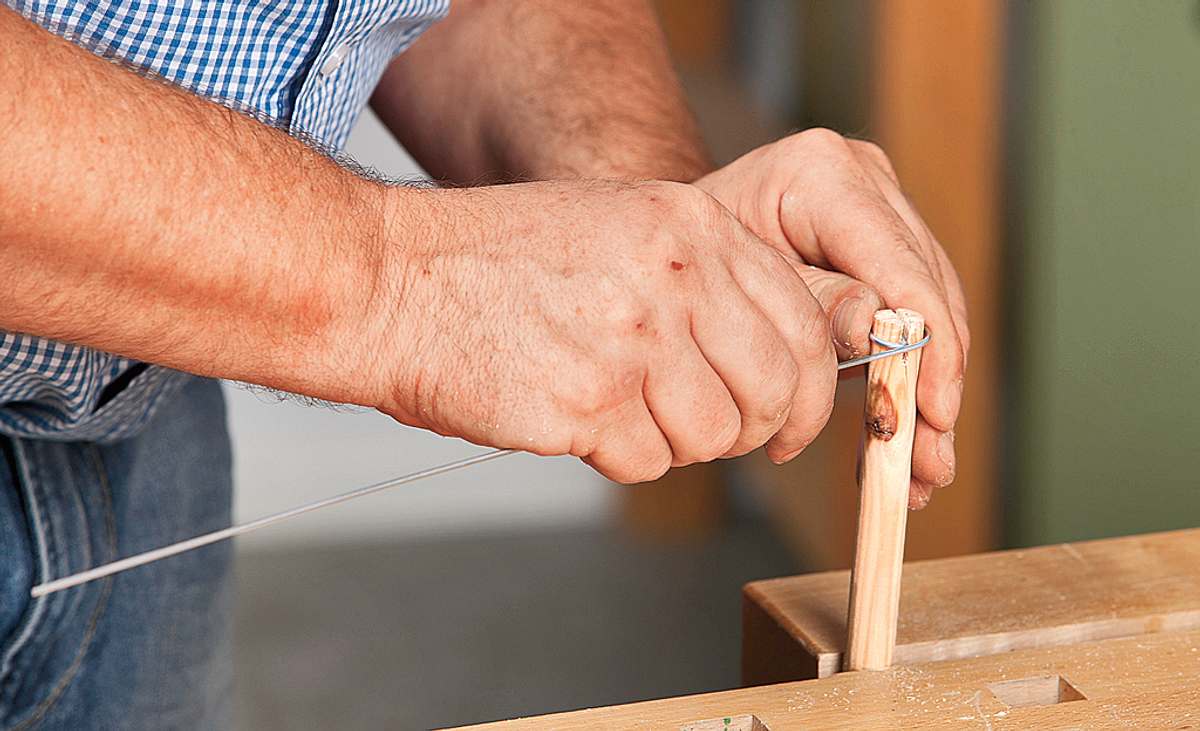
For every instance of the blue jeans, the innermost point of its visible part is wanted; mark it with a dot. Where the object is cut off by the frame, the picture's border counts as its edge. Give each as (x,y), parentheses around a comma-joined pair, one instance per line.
(149,648)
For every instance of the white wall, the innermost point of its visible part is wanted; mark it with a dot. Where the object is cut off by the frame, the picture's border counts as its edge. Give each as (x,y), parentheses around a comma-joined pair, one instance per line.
(286,453)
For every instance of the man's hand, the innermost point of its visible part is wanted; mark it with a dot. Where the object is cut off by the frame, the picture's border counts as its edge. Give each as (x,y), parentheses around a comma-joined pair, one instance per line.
(835,203)
(638,326)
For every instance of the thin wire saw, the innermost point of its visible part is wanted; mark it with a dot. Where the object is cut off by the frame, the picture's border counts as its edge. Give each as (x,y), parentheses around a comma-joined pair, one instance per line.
(173,549)
(157,554)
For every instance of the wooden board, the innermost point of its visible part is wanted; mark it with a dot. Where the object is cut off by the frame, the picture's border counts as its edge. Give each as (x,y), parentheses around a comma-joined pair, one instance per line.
(937,106)
(795,628)
(1138,682)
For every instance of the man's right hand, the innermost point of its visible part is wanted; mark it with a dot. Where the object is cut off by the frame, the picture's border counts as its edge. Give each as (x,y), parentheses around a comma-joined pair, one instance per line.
(638,326)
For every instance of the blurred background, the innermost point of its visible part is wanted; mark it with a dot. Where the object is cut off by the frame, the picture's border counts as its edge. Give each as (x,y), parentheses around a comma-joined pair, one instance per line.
(1052,147)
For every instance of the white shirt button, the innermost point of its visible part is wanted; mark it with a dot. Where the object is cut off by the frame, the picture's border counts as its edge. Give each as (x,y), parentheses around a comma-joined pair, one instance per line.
(335,58)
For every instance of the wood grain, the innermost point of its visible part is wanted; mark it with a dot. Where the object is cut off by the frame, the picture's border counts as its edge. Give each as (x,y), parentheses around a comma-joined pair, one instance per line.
(1138,682)
(795,628)
(889,424)
(937,109)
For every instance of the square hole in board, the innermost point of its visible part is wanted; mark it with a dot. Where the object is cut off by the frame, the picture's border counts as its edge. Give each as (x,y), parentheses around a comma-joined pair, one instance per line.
(726,723)
(1045,690)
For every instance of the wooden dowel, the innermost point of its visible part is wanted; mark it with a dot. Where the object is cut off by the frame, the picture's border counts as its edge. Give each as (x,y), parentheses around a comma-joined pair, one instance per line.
(884,473)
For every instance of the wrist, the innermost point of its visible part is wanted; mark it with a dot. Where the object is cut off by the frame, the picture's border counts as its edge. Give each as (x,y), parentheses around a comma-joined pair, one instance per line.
(345,293)
(399,299)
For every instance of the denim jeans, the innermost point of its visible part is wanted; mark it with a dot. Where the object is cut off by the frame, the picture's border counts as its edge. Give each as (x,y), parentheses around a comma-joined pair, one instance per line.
(149,648)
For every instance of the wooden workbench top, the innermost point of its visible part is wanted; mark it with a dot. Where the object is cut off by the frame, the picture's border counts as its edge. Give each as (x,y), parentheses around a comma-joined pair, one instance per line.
(795,627)
(1145,682)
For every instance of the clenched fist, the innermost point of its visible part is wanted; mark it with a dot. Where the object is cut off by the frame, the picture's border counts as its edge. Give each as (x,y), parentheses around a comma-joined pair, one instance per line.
(638,326)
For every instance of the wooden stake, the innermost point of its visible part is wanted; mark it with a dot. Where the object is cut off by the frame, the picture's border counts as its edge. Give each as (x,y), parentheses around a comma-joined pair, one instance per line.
(884,473)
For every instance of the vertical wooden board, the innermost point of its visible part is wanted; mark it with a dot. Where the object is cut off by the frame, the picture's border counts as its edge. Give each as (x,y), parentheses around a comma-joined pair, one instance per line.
(811,501)
(770,654)
(698,33)
(936,110)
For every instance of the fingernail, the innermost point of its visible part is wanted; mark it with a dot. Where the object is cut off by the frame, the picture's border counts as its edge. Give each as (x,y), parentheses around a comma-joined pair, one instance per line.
(952,399)
(844,318)
(945,452)
(918,496)
(789,456)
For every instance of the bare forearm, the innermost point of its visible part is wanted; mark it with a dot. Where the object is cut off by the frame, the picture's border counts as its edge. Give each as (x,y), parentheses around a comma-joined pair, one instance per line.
(139,219)
(543,89)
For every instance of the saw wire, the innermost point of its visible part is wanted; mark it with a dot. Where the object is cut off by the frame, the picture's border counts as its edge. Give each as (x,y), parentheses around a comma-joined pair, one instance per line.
(141,559)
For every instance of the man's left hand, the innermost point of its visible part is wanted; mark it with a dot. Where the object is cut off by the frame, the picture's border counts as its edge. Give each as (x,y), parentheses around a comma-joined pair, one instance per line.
(836,203)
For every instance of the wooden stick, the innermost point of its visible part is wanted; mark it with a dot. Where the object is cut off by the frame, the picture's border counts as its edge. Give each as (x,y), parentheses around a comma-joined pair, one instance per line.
(884,473)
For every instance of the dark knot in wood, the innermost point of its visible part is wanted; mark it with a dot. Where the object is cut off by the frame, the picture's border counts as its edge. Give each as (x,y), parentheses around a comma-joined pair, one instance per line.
(881,418)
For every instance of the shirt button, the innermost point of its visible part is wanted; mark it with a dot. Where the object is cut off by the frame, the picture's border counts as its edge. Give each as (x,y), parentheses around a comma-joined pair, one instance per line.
(335,58)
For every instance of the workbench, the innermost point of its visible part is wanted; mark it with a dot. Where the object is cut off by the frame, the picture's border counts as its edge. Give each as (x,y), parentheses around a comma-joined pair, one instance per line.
(1096,634)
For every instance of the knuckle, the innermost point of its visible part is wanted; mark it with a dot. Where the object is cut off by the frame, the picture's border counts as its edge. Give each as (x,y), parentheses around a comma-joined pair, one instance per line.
(823,137)
(628,315)
(716,438)
(680,198)
(874,152)
(881,159)
(870,148)
(805,327)
(871,153)
(776,395)
(663,206)
(594,392)
(693,195)
(586,397)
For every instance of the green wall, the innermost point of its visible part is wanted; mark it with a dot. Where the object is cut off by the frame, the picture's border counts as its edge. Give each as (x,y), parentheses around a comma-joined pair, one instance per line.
(1104,434)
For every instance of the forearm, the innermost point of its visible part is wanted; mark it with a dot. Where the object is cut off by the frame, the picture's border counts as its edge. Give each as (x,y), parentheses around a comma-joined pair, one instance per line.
(142,220)
(539,89)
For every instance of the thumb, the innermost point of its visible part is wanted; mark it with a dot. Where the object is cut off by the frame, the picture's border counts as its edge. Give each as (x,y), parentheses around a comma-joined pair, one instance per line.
(849,304)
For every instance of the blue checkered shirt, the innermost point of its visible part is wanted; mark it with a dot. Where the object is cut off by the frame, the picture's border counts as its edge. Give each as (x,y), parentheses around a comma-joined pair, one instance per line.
(306,65)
